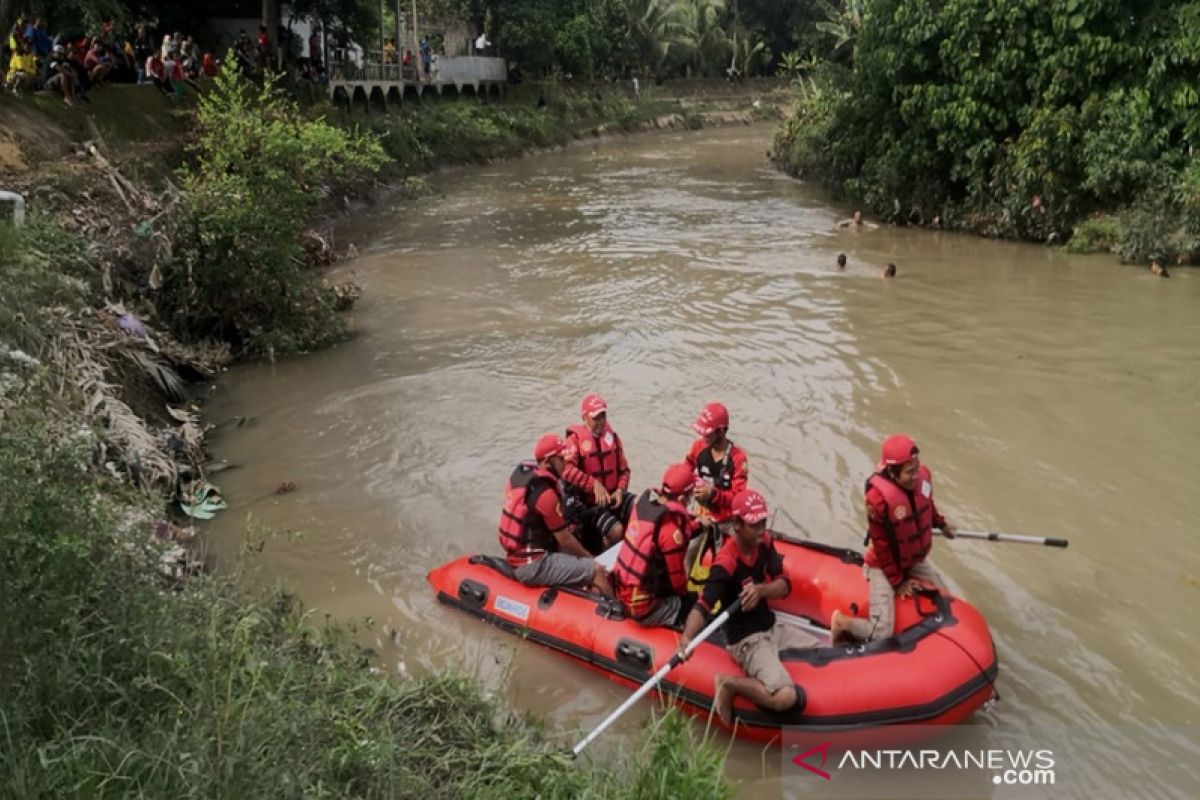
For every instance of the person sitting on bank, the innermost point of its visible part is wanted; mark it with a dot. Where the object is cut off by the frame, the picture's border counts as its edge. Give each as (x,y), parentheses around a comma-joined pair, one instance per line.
(841,260)
(856,221)
(539,544)
(901,516)
(650,577)
(748,566)
(720,464)
(596,476)
(22,69)
(60,75)
(889,271)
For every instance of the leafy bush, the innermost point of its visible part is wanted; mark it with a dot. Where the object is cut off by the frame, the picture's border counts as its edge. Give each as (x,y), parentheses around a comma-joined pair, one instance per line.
(1098,234)
(259,169)
(1012,118)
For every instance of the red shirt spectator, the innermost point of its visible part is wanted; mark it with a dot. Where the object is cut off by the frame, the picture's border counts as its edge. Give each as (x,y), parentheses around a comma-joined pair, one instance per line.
(154,66)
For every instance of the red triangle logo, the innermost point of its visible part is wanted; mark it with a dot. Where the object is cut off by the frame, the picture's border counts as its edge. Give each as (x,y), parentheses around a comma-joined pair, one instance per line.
(823,749)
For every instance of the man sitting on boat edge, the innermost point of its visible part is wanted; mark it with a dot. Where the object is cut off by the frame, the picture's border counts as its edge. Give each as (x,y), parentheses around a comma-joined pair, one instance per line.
(650,576)
(540,545)
(596,476)
(749,566)
(901,516)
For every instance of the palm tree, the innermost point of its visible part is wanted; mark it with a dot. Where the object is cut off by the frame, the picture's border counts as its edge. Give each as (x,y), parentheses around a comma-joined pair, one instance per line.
(695,28)
(649,21)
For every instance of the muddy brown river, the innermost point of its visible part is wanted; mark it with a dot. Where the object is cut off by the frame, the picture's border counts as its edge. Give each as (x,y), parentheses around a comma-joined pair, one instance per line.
(1050,394)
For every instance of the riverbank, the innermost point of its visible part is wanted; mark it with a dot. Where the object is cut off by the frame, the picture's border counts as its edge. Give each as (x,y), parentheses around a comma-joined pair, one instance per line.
(1053,135)
(131,671)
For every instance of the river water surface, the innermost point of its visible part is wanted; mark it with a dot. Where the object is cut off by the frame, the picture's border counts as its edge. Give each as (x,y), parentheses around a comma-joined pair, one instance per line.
(1050,394)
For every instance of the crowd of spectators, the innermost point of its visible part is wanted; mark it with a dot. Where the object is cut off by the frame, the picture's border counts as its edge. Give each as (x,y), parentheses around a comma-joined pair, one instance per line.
(72,64)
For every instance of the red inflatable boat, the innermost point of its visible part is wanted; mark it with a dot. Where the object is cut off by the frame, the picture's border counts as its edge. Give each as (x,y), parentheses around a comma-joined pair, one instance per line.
(937,670)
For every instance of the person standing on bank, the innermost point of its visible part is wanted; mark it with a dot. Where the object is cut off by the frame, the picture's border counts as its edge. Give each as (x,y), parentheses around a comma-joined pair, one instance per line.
(901,516)
(748,566)
(598,473)
(720,464)
(539,544)
(650,576)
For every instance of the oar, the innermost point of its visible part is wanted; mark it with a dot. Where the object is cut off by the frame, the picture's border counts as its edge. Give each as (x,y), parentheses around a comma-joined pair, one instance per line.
(656,679)
(1014,538)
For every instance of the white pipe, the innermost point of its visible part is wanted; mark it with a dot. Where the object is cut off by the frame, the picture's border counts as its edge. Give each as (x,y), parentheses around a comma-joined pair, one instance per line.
(18,202)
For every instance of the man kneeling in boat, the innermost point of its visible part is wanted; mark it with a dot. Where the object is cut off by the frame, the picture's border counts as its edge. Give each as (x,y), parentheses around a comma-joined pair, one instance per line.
(651,575)
(540,545)
(748,566)
(901,516)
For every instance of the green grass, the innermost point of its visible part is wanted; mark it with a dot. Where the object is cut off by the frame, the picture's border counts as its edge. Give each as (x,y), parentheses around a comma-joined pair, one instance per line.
(118,686)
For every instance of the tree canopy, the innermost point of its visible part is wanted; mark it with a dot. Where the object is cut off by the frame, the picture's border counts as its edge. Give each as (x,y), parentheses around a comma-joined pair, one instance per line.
(1017,117)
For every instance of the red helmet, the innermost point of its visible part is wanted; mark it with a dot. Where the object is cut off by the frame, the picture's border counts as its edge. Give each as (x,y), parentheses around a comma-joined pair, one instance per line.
(678,479)
(549,445)
(750,507)
(593,406)
(712,417)
(898,449)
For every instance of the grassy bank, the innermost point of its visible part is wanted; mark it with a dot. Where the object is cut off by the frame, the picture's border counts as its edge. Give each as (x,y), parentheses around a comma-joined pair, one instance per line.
(447,132)
(118,686)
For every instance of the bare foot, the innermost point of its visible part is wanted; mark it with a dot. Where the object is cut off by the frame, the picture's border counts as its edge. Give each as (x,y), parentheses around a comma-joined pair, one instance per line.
(839,628)
(722,700)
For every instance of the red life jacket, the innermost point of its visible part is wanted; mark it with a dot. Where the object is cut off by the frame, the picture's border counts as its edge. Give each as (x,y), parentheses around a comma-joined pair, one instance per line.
(641,561)
(523,534)
(600,456)
(910,529)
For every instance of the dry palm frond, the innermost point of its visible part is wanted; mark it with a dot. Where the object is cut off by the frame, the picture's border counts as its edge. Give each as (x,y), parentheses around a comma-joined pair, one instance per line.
(163,375)
(81,353)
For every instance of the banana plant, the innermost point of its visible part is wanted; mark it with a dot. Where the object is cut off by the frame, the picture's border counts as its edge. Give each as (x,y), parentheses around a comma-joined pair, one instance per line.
(842,24)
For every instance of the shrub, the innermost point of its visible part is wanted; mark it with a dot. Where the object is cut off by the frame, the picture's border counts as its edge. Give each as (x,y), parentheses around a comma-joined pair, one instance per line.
(258,169)
(1098,234)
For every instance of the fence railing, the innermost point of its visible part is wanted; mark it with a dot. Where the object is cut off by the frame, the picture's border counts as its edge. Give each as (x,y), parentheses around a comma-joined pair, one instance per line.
(446,69)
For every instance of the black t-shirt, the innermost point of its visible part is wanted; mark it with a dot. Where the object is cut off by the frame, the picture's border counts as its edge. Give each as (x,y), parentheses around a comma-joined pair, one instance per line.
(729,573)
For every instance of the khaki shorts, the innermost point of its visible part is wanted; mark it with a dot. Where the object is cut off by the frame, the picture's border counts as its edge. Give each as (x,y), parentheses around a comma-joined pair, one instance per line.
(881,618)
(758,654)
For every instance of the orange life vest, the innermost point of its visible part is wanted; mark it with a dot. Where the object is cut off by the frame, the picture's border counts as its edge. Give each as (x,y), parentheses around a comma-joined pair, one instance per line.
(600,456)
(523,534)
(641,561)
(909,517)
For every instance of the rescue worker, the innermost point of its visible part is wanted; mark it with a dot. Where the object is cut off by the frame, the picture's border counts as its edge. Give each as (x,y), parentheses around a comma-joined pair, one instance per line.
(901,516)
(719,463)
(748,566)
(650,576)
(597,478)
(539,544)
